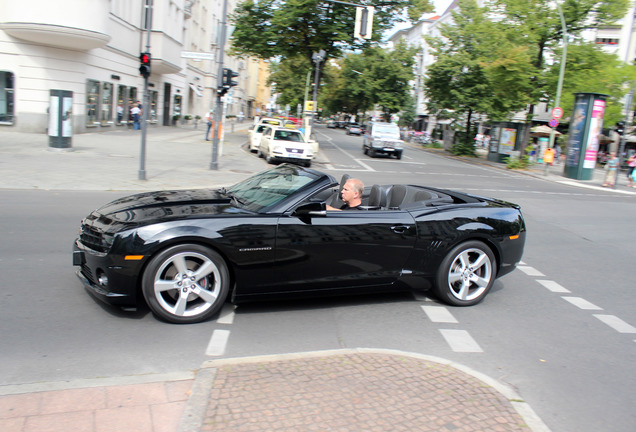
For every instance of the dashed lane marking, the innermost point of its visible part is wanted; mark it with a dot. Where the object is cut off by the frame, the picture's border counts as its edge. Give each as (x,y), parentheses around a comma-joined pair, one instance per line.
(553,286)
(218,342)
(616,323)
(227,315)
(460,340)
(530,271)
(582,303)
(439,314)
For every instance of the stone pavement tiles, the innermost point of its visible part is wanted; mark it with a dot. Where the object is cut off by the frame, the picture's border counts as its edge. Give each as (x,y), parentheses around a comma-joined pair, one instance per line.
(360,392)
(146,407)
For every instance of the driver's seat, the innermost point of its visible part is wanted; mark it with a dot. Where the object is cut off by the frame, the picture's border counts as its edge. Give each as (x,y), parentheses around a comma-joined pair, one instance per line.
(337,201)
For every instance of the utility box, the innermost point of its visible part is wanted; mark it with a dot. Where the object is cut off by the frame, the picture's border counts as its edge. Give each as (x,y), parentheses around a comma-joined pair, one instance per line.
(60,129)
(586,125)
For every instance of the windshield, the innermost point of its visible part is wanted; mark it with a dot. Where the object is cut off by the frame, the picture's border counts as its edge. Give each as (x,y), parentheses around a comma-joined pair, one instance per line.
(285,135)
(271,186)
(386,131)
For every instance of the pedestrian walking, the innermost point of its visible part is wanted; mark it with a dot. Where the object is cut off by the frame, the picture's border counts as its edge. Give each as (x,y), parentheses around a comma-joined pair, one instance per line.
(209,118)
(611,168)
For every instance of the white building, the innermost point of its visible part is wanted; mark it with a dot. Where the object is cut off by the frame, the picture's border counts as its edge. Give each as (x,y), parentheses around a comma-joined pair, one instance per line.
(91,48)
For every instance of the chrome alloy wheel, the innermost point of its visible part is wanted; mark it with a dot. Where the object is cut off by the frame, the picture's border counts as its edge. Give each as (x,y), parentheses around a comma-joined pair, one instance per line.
(470,274)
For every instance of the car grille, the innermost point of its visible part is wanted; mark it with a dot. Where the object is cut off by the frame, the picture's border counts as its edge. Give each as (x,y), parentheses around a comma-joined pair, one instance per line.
(294,150)
(88,274)
(95,239)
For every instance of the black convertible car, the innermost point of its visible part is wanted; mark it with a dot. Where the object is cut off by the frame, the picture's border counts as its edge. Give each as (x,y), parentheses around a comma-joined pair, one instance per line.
(185,251)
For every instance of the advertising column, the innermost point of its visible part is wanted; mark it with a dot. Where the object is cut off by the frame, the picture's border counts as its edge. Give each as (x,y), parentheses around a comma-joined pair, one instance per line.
(585,127)
(60,119)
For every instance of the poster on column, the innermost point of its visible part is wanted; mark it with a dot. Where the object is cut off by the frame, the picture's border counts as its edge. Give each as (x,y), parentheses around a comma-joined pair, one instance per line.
(596,126)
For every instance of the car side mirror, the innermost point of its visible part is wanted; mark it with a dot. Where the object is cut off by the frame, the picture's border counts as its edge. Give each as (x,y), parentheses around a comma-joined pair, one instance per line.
(311,209)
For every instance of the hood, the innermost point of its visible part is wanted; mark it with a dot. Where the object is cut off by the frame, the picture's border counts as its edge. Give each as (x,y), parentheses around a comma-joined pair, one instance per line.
(153,207)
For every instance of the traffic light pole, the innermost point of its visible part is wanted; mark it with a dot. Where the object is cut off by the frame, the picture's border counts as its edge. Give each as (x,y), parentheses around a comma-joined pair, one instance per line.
(218,111)
(146,105)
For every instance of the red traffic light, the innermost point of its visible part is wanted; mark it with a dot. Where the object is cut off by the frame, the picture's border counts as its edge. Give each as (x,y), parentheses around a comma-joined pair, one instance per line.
(144,66)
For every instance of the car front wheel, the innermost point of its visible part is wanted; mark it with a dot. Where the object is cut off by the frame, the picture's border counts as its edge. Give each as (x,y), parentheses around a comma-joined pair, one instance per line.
(466,274)
(186,284)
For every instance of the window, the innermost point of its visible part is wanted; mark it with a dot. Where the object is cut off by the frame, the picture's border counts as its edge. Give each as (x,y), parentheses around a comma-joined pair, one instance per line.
(106,116)
(6,97)
(92,102)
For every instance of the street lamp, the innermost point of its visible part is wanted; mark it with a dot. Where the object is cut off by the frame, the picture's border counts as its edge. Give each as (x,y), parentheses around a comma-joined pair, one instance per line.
(318,58)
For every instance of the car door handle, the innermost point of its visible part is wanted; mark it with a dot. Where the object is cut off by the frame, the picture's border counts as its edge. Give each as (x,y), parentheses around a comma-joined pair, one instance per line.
(400,229)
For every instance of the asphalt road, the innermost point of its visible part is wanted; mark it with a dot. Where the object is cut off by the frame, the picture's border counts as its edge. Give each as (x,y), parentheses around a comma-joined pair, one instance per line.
(557,329)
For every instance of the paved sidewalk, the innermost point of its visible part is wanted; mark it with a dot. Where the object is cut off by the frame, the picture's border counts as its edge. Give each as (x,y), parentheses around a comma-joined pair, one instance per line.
(341,390)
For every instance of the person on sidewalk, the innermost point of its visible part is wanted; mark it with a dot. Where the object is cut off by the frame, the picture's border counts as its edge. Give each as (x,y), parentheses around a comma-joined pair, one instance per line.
(611,168)
(631,164)
(209,118)
(135,112)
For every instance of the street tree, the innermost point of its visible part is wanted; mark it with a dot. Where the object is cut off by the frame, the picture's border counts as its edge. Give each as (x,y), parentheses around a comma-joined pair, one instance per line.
(280,28)
(591,70)
(479,70)
(537,25)
(376,77)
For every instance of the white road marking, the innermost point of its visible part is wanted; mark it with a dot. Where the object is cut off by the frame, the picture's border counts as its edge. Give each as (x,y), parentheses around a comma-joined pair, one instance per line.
(460,340)
(553,286)
(439,314)
(227,315)
(616,323)
(530,271)
(218,342)
(582,303)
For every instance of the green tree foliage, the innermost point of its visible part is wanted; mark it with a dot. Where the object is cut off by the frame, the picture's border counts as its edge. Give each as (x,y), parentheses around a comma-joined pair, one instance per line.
(288,28)
(591,70)
(374,77)
(498,59)
(290,77)
(479,70)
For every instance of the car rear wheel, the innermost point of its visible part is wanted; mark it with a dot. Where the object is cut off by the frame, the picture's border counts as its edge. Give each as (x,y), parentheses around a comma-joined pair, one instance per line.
(466,274)
(398,155)
(186,284)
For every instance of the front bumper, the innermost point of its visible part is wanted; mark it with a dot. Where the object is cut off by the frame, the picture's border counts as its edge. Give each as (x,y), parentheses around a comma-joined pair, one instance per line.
(105,278)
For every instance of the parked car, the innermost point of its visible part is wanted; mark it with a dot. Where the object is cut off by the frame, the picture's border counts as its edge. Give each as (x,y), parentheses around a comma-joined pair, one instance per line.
(255,136)
(256,131)
(184,252)
(331,124)
(354,129)
(281,144)
(383,138)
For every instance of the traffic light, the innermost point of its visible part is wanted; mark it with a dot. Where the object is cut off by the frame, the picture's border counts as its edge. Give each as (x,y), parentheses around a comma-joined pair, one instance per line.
(228,82)
(620,127)
(144,64)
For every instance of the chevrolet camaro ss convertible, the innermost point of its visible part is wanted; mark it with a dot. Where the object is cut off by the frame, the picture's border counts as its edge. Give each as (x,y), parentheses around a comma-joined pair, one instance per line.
(270,236)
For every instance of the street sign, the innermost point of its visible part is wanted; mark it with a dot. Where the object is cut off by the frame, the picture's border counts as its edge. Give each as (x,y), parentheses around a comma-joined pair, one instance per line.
(197,55)
(309,106)
(553,123)
(557,113)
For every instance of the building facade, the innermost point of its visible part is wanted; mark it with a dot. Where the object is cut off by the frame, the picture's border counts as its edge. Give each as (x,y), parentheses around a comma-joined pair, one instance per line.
(91,49)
